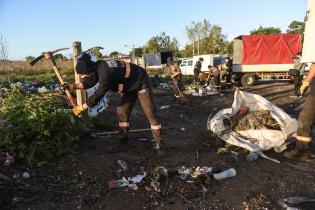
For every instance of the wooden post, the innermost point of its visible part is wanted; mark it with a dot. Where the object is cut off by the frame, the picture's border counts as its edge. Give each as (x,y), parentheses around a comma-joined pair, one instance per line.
(81,94)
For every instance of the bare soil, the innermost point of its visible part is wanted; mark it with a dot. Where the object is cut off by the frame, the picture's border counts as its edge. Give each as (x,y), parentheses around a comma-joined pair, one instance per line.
(79,181)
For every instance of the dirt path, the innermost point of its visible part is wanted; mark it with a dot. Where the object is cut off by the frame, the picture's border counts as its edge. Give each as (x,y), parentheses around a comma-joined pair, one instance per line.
(79,180)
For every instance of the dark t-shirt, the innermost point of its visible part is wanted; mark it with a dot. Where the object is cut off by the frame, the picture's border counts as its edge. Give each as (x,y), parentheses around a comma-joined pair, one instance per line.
(197,68)
(110,75)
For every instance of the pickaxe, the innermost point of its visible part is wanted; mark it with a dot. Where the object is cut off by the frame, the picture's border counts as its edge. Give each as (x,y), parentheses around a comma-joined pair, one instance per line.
(49,56)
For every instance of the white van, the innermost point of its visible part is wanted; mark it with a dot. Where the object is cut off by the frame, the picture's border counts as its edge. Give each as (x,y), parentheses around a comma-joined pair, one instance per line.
(187,64)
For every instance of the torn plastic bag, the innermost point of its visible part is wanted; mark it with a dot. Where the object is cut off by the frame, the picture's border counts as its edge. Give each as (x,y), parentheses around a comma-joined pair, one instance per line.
(253,140)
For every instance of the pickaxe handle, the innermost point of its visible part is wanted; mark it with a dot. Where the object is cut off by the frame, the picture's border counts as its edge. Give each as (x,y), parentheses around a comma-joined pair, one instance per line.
(43,55)
(48,56)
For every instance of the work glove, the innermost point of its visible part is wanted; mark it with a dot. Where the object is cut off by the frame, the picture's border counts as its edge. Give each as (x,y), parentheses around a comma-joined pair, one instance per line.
(79,109)
(304,86)
(67,86)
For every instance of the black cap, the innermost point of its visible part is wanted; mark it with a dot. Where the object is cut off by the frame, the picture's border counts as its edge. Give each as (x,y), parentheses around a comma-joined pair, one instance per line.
(201,58)
(84,64)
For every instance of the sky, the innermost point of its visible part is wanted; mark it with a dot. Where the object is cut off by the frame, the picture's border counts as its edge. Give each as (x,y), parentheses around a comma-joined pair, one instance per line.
(33,26)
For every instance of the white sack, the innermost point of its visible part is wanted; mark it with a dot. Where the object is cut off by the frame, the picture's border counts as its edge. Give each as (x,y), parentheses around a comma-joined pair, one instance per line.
(255,140)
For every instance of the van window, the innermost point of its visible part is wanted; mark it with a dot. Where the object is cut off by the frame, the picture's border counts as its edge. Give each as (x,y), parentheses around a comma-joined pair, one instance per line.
(190,63)
(183,63)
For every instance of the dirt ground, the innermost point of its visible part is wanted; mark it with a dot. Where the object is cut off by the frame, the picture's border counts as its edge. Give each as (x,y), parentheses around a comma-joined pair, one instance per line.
(79,181)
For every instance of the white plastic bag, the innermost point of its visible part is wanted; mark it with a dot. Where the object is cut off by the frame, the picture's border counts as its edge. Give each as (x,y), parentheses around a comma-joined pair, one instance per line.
(101,105)
(254,140)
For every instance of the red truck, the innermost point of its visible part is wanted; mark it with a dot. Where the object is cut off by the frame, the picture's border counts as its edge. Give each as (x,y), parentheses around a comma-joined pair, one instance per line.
(264,56)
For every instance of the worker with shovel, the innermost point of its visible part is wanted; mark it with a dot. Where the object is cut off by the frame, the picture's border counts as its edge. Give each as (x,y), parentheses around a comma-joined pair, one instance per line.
(130,80)
(176,75)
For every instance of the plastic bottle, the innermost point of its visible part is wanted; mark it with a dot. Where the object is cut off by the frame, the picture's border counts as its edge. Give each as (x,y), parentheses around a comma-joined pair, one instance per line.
(225,174)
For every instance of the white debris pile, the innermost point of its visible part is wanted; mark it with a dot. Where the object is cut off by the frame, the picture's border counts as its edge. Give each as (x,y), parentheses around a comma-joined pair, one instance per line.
(254,140)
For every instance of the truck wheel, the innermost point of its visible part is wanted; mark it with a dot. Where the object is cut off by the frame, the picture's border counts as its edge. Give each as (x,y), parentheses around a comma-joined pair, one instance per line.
(248,80)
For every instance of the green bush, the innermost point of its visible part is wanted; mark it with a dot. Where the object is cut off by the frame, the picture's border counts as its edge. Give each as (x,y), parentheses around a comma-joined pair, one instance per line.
(37,128)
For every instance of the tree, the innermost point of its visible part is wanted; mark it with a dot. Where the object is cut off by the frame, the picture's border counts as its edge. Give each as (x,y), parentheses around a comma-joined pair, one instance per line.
(114,54)
(160,43)
(97,52)
(266,30)
(208,39)
(296,27)
(138,51)
(197,32)
(152,46)
(60,56)
(4,48)
(29,58)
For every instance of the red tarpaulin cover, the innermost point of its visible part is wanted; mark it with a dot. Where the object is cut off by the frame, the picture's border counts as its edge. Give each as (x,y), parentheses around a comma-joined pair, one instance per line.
(270,49)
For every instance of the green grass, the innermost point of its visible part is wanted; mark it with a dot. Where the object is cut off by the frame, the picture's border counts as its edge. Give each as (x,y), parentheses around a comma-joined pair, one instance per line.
(30,75)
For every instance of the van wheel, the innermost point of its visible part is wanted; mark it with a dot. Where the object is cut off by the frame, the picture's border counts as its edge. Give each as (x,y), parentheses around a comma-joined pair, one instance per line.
(248,80)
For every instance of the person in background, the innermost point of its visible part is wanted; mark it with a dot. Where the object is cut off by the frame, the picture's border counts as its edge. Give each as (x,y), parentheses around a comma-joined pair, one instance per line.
(300,67)
(229,72)
(214,71)
(176,75)
(197,69)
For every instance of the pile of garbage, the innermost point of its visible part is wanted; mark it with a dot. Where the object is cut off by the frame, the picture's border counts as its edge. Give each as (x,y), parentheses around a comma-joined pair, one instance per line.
(253,123)
(260,119)
(160,179)
(161,82)
(196,89)
(32,87)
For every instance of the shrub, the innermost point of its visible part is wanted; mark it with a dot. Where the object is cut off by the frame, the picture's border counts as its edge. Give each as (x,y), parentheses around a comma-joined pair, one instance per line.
(37,128)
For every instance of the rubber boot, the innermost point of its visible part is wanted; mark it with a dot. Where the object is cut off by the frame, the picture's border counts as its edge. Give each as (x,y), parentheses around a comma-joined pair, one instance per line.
(157,143)
(299,153)
(123,135)
(122,141)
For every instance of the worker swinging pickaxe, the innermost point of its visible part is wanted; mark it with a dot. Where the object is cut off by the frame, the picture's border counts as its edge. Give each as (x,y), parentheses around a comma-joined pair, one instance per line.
(49,56)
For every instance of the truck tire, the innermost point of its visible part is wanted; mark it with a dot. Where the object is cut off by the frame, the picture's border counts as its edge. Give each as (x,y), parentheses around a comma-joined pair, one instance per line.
(248,80)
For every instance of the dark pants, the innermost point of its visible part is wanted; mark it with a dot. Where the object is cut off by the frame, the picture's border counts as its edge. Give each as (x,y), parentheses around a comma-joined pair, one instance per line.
(125,107)
(196,73)
(306,117)
(217,82)
(178,81)
(228,81)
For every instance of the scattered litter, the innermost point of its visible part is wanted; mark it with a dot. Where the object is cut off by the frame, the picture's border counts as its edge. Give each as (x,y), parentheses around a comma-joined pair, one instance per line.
(294,200)
(225,174)
(165,107)
(252,157)
(222,150)
(118,183)
(184,172)
(123,165)
(201,171)
(138,178)
(8,159)
(182,129)
(26,175)
(43,89)
(234,153)
(156,186)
